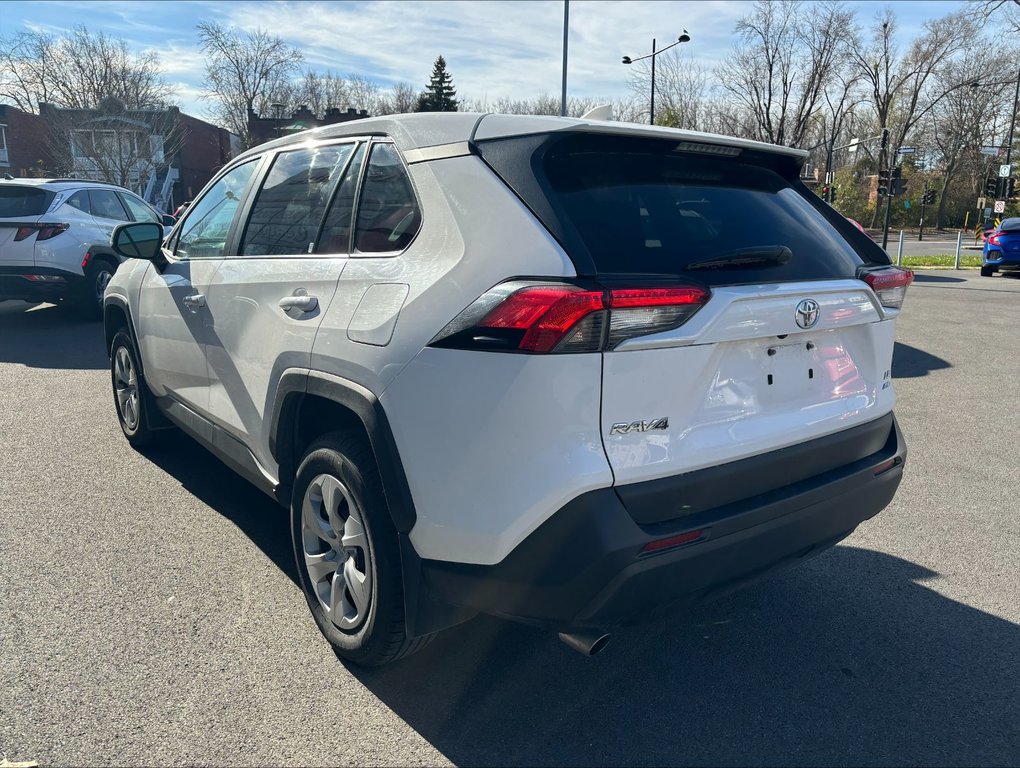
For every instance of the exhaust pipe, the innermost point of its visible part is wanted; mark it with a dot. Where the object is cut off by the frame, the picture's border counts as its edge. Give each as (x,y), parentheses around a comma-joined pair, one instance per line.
(586,643)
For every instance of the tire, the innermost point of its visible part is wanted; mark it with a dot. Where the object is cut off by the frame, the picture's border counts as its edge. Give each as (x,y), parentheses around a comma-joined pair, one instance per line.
(987,271)
(355,592)
(131,396)
(88,299)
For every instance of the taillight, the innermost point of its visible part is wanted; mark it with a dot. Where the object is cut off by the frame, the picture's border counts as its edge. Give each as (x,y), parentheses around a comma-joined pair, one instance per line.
(890,285)
(525,316)
(46,231)
(993,239)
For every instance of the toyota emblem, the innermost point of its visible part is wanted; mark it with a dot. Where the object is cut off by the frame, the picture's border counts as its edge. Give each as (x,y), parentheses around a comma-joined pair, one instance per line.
(807,313)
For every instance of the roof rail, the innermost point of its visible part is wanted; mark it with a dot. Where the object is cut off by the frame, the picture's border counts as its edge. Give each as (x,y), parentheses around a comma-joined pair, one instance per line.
(78,181)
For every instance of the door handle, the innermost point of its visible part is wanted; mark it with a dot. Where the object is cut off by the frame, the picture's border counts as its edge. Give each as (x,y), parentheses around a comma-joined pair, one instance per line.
(300,303)
(194,302)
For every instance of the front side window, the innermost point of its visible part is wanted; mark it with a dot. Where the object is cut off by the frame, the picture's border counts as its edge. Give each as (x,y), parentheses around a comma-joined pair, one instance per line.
(139,210)
(288,210)
(204,231)
(106,205)
(388,213)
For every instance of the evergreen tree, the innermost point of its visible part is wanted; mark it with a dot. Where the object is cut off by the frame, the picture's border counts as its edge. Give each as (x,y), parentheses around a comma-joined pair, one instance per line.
(439,94)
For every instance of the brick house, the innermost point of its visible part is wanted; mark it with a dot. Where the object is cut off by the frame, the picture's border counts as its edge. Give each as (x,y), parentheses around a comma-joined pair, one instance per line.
(22,143)
(263,129)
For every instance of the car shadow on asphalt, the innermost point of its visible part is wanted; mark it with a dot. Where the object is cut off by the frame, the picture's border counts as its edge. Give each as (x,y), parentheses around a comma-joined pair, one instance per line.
(910,362)
(260,518)
(50,336)
(846,659)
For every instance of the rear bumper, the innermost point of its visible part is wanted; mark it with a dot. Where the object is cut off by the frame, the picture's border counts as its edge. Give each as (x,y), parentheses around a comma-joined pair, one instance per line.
(999,259)
(584,566)
(17,283)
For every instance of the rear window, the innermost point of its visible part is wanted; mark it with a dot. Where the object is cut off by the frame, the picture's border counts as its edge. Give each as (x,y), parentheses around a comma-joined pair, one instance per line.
(645,207)
(24,201)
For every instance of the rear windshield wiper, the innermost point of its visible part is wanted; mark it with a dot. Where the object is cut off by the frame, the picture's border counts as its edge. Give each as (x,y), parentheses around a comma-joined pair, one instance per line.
(761,256)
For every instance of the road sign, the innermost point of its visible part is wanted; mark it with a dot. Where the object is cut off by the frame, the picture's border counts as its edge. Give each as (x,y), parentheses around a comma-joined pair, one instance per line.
(1000,206)
(853,145)
(1004,171)
(981,202)
(988,212)
(905,151)
(993,151)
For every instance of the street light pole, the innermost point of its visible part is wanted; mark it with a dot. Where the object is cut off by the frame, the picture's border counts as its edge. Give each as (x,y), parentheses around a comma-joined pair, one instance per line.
(1012,120)
(684,38)
(563,92)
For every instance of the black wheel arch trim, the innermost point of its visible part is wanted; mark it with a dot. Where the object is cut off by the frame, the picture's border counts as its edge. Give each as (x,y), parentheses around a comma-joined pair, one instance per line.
(115,300)
(295,384)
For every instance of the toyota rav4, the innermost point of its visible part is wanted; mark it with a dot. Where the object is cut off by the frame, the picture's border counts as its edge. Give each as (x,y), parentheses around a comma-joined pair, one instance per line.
(560,371)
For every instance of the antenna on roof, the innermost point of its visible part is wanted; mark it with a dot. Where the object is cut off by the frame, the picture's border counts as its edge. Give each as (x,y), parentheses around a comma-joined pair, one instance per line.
(604,112)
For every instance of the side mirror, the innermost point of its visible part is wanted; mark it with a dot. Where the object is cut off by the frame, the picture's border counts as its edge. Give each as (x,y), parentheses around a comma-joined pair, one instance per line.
(140,240)
(168,220)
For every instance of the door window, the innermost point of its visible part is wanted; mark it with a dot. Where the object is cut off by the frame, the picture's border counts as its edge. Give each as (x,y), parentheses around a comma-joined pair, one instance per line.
(204,231)
(139,210)
(388,213)
(106,205)
(288,210)
(336,232)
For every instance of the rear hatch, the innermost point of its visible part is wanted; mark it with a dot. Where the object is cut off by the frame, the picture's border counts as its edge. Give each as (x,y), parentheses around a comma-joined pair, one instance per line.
(21,209)
(786,344)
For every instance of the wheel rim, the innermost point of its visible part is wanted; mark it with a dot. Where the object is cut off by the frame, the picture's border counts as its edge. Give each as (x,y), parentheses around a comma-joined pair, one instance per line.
(336,552)
(102,280)
(125,387)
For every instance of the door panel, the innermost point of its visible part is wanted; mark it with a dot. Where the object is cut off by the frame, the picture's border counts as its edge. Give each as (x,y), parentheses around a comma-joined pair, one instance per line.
(173,330)
(266,304)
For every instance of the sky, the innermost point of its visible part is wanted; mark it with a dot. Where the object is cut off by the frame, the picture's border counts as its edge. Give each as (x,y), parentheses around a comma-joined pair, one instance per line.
(493,48)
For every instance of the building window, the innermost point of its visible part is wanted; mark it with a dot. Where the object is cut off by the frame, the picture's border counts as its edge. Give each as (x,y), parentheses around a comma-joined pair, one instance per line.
(4,160)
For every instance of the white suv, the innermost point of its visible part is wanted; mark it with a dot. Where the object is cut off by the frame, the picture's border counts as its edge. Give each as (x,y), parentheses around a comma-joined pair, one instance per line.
(555,370)
(55,238)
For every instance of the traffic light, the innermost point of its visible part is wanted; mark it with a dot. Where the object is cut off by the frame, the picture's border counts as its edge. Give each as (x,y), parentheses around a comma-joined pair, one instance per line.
(929,197)
(992,186)
(1011,191)
(883,182)
(899,186)
(832,193)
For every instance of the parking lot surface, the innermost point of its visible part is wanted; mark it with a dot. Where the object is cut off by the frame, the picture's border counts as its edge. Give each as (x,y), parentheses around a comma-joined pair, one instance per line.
(149,612)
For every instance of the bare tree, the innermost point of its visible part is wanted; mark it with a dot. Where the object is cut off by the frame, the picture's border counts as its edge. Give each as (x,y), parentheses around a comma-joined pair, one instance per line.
(904,87)
(133,148)
(362,93)
(400,99)
(245,73)
(681,89)
(78,70)
(782,64)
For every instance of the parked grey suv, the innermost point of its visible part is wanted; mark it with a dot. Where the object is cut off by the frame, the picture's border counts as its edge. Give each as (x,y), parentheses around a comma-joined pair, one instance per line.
(556,370)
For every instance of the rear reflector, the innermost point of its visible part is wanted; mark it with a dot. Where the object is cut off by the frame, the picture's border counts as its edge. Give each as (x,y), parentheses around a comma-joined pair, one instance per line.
(539,318)
(673,541)
(885,466)
(890,285)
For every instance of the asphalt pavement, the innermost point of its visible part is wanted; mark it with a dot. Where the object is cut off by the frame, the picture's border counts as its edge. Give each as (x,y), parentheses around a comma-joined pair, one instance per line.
(149,612)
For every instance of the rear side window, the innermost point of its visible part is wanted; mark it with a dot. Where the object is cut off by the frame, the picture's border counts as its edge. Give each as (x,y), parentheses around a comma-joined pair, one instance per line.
(388,213)
(106,205)
(79,200)
(24,201)
(641,206)
(336,231)
(288,210)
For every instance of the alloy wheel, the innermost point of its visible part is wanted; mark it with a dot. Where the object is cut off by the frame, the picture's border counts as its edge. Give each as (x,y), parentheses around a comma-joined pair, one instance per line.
(125,386)
(336,552)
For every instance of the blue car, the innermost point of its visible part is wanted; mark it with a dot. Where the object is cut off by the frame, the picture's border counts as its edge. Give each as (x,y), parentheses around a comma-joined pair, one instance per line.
(1002,248)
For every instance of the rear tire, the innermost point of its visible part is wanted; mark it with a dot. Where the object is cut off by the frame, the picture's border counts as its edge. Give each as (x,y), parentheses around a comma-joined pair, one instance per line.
(89,295)
(987,271)
(130,394)
(347,553)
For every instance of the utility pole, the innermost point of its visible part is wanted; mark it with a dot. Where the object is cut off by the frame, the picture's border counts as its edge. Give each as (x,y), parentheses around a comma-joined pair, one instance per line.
(924,199)
(889,190)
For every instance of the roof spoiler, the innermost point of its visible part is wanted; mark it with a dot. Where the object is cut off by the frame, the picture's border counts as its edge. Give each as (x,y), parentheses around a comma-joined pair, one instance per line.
(603,112)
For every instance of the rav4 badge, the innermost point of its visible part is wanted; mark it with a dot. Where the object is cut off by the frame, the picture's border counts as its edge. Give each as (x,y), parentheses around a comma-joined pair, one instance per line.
(623,428)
